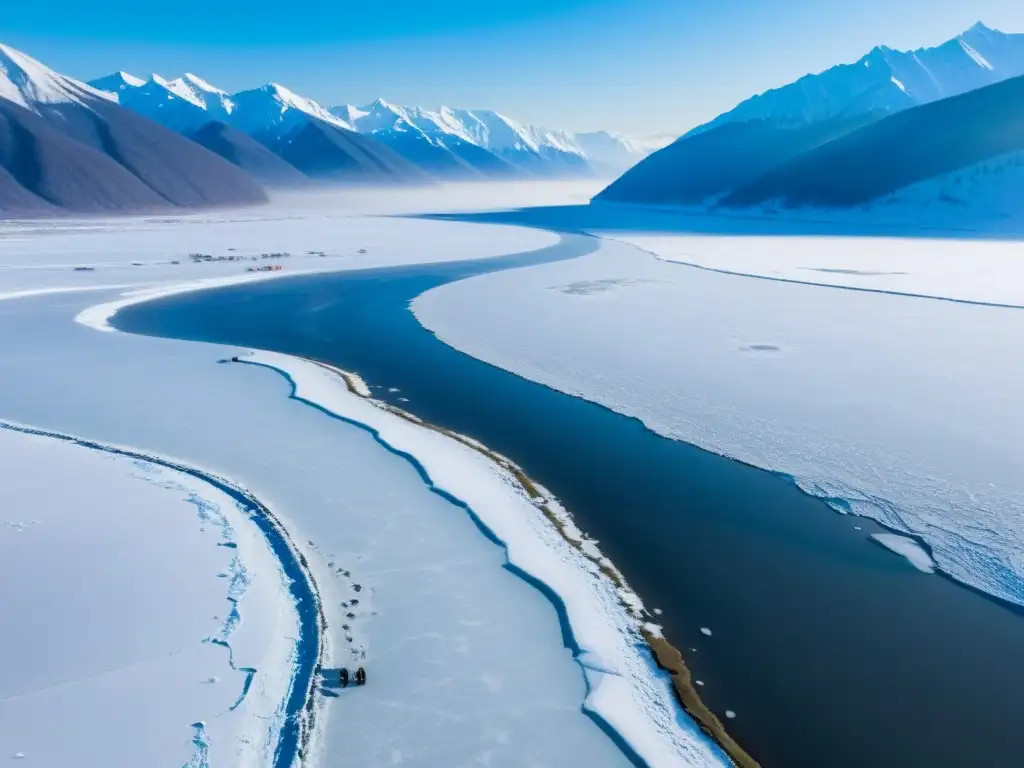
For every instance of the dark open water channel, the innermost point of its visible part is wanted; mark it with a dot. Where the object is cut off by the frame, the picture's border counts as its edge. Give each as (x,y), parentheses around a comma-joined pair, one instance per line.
(831,650)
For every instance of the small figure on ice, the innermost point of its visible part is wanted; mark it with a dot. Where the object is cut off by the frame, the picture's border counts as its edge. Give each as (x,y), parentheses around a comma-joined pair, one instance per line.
(343,677)
(360,676)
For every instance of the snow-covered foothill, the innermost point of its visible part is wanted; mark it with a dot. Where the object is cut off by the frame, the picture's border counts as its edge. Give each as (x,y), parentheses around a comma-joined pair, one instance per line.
(899,408)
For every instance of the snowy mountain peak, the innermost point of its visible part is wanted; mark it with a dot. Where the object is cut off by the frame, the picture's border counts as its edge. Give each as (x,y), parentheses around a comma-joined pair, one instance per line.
(181,89)
(116,82)
(200,93)
(198,82)
(887,80)
(979,28)
(129,80)
(521,144)
(382,105)
(275,110)
(28,83)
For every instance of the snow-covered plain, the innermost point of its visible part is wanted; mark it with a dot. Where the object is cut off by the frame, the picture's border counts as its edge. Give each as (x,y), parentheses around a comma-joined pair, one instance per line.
(980,271)
(466,659)
(899,408)
(108,627)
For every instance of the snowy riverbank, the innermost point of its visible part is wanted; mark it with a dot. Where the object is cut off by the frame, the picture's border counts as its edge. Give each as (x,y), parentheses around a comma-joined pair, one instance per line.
(625,691)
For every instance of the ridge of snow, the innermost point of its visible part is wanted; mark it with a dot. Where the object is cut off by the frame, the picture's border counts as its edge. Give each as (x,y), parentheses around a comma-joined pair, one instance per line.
(126,79)
(978,58)
(180,89)
(117,82)
(275,109)
(202,94)
(197,82)
(130,79)
(492,131)
(29,83)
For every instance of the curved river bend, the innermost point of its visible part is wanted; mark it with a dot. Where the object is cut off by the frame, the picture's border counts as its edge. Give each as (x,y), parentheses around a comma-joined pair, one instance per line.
(830,650)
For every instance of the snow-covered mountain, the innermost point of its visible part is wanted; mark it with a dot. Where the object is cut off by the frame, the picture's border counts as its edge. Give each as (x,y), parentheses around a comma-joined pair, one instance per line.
(887,80)
(295,129)
(189,102)
(34,86)
(273,110)
(433,140)
(65,145)
(775,129)
(448,143)
(530,149)
(980,129)
(117,82)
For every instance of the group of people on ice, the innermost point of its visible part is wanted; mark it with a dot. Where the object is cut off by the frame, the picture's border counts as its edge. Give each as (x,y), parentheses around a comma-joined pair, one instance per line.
(360,677)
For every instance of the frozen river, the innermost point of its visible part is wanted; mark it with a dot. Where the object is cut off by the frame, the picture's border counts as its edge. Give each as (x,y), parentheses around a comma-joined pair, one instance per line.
(820,642)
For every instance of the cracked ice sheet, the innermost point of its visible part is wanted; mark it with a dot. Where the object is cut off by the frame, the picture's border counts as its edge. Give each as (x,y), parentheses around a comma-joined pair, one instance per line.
(907,408)
(109,588)
(466,660)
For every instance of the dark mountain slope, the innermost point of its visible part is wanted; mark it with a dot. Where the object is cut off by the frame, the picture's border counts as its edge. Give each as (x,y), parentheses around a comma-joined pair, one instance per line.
(704,165)
(323,151)
(415,147)
(484,160)
(55,168)
(900,150)
(248,154)
(15,200)
(179,170)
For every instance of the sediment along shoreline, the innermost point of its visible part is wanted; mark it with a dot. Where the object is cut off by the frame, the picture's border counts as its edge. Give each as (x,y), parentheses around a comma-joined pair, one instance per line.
(663,653)
(603,621)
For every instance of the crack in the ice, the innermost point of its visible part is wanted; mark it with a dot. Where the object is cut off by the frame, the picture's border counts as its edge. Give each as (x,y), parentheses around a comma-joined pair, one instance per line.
(294,725)
(201,757)
(210,513)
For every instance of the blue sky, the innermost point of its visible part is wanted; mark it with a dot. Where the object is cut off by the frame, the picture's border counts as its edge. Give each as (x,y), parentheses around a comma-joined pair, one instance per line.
(637,66)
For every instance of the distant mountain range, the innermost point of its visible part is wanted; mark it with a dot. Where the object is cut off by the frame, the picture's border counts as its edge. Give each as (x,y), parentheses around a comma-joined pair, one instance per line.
(446,143)
(127,144)
(850,135)
(943,123)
